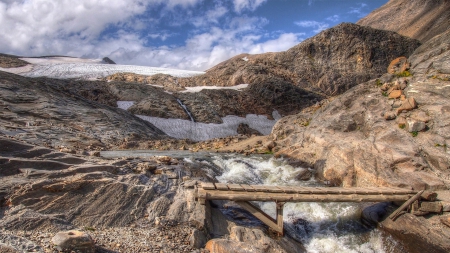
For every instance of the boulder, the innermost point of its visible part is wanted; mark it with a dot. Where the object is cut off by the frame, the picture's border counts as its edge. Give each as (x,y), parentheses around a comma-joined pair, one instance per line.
(407,105)
(398,65)
(390,115)
(415,125)
(197,239)
(304,175)
(74,240)
(445,220)
(395,94)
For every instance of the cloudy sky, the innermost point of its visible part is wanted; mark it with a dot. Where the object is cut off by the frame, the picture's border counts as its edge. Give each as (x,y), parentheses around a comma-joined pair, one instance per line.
(184,34)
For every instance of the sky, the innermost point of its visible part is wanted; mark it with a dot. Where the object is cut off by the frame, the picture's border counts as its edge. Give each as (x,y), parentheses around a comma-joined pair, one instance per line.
(182,34)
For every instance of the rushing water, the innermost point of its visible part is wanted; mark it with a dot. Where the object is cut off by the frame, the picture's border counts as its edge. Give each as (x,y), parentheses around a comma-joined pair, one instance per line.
(321,227)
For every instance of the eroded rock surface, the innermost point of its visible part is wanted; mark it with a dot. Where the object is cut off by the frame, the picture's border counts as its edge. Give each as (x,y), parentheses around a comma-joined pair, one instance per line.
(350,143)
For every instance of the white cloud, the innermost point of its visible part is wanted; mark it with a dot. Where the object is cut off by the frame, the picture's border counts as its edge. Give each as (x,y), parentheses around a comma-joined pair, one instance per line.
(284,42)
(240,5)
(319,26)
(333,18)
(360,10)
(211,16)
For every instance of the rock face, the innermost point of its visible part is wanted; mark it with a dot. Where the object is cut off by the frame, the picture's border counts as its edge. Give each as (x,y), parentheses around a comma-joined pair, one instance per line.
(418,19)
(11,61)
(45,112)
(329,63)
(349,142)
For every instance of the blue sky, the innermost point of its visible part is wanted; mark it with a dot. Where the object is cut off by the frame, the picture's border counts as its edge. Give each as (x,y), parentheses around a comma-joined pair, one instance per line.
(184,34)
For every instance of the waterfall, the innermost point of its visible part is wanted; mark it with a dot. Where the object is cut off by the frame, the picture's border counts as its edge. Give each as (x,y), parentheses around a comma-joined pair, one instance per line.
(185,109)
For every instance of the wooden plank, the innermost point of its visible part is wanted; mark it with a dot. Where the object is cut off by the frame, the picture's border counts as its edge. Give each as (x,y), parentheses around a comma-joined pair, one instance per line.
(262,216)
(221,186)
(325,190)
(274,189)
(208,186)
(302,190)
(397,190)
(342,190)
(235,187)
(381,190)
(260,188)
(247,188)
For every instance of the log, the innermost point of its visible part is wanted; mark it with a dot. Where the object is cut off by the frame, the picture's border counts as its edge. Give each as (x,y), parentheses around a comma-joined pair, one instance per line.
(221,186)
(397,212)
(208,186)
(262,216)
(429,195)
(296,197)
(432,207)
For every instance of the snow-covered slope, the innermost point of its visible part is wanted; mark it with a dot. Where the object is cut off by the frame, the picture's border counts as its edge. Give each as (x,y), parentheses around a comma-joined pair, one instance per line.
(68,67)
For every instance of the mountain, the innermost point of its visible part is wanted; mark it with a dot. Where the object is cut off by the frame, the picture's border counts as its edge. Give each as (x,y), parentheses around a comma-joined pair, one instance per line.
(418,19)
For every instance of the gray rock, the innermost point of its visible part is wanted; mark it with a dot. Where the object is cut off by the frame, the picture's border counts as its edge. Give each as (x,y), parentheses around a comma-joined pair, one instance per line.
(74,240)
(415,125)
(197,239)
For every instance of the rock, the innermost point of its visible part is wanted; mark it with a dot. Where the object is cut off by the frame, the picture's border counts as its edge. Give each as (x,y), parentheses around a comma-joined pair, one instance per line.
(390,115)
(385,87)
(74,240)
(402,98)
(7,249)
(445,220)
(11,61)
(398,65)
(420,116)
(401,121)
(415,125)
(244,129)
(94,153)
(395,94)
(197,239)
(304,175)
(429,195)
(407,105)
(108,61)
(445,206)
(410,21)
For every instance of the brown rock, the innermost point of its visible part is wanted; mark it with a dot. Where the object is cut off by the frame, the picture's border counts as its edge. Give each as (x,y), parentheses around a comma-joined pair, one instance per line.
(304,175)
(407,105)
(401,121)
(398,65)
(390,115)
(445,220)
(402,97)
(395,94)
(445,206)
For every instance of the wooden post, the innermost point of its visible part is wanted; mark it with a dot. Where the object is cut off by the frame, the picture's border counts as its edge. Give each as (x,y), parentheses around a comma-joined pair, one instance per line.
(280,206)
(276,225)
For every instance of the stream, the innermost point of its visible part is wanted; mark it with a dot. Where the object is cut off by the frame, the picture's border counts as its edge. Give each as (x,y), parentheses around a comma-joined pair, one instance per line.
(320,227)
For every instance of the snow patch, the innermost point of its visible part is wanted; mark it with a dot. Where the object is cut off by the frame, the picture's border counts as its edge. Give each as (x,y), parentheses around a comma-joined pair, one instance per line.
(199,88)
(125,104)
(196,131)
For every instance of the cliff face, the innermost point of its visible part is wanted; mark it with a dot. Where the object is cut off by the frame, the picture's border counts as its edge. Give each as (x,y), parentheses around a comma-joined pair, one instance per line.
(328,63)
(355,141)
(418,19)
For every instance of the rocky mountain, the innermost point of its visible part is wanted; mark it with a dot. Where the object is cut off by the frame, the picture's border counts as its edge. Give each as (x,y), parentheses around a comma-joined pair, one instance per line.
(46,112)
(11,61)
(328,63)
(418,19)
(355,141)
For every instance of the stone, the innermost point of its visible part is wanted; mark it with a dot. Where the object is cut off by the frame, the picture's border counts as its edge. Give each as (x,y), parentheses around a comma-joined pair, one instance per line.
(402,98)
(397,104)
(74,240)
(390,115)
(415,125)
(420,115)
(445,220)
(407,105)
(401,121)
(395,94)
(304,175)
(385,86)
(7,249)
(197,239)
(445,206)
(94,153)
(398,65)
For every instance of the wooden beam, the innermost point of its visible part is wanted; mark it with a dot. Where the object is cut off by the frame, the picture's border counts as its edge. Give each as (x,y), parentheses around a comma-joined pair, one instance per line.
(296,197)
(276,225)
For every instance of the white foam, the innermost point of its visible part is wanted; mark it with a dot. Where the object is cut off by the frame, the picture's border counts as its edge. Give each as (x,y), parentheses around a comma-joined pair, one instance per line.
(321,227)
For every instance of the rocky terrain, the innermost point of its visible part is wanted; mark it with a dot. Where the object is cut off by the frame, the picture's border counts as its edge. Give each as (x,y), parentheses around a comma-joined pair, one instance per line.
(113,205)
(11,61)
(418,19)
(47,113)
(321,64)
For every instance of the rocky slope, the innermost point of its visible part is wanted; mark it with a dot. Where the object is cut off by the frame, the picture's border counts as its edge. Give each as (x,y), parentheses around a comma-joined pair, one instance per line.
(328,63)
(11,61)
(353,140)
(126,205)
(46,112)
(418,19)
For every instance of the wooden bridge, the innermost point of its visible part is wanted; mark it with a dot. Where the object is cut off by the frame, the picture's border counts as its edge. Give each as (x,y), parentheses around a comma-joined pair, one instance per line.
(243,193)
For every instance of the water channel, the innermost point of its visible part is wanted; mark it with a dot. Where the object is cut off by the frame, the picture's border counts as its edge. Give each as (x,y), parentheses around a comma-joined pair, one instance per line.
(321,227)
